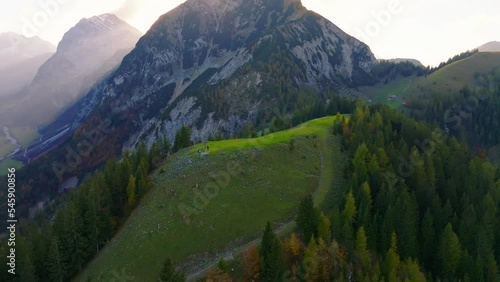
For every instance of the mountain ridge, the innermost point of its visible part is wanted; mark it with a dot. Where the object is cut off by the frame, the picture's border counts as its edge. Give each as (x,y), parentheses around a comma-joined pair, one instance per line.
(61,80)
(16,48)
(207,42)
(266,60)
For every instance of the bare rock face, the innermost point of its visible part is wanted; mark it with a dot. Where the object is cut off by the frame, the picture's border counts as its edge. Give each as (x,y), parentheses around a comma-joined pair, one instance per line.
(215,64)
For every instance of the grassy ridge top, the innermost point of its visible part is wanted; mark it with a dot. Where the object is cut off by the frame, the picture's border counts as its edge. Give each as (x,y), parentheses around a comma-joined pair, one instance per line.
(316,126)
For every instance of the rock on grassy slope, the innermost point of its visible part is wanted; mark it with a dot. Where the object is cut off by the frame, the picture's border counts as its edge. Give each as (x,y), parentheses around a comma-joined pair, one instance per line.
(203,207)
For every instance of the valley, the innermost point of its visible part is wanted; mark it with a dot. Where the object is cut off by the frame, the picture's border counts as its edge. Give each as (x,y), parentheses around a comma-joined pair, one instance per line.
(10,146)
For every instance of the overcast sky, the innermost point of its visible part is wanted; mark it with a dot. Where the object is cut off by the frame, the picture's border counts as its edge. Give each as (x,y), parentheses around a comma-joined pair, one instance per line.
(428,30)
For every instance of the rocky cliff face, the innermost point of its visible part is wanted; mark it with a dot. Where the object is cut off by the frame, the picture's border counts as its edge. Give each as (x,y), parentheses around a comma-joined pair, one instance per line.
(215,64)
(84,56)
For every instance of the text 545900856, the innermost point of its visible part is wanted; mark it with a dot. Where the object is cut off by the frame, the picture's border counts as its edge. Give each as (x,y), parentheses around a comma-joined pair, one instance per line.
(11,220)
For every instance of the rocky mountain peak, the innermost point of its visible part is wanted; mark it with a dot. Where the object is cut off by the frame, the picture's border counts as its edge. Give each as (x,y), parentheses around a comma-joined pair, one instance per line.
(95,28)
(216,65)
(87,52)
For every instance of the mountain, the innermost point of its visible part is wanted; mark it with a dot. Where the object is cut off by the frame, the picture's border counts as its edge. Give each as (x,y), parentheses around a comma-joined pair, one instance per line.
(413,61)
(85,55)
(493,46)
(216,65)
(15,48)
(19,75)
(20,58)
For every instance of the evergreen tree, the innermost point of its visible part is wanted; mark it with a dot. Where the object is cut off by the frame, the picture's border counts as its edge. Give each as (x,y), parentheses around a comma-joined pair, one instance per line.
(55,262)
(407,224)
(27,272)
(182,138)
(271,253)
(349,216)
(428,239)
(392,260)
(169,273)
(324,228)
(361,249)
(449,252)
(307,218)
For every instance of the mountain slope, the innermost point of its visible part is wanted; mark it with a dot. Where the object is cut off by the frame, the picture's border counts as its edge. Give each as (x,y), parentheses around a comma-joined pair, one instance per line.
(493,46)
(20,58)
(261,60)
(261,177)
(216,65)
(445,81)
(16,76)
(61,80)
(453,77)
(15,48)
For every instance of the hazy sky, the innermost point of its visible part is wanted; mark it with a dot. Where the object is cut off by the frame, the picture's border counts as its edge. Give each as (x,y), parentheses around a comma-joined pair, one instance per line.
(428,30)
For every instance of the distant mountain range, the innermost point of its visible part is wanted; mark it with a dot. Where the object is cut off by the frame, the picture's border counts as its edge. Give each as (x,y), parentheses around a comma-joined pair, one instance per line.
(86,53)
(15,48)
(493,46)
(20,58)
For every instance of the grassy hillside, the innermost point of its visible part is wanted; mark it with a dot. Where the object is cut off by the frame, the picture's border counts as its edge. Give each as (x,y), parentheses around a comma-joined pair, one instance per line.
(201,207)
(454,76)
(447,80)
(380,93)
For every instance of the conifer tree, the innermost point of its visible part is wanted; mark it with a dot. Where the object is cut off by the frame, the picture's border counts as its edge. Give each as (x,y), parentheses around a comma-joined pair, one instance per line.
(307,218)
(271,253)
(169,273)
(362,248)
(55,262)
(449,252)
(182,138)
